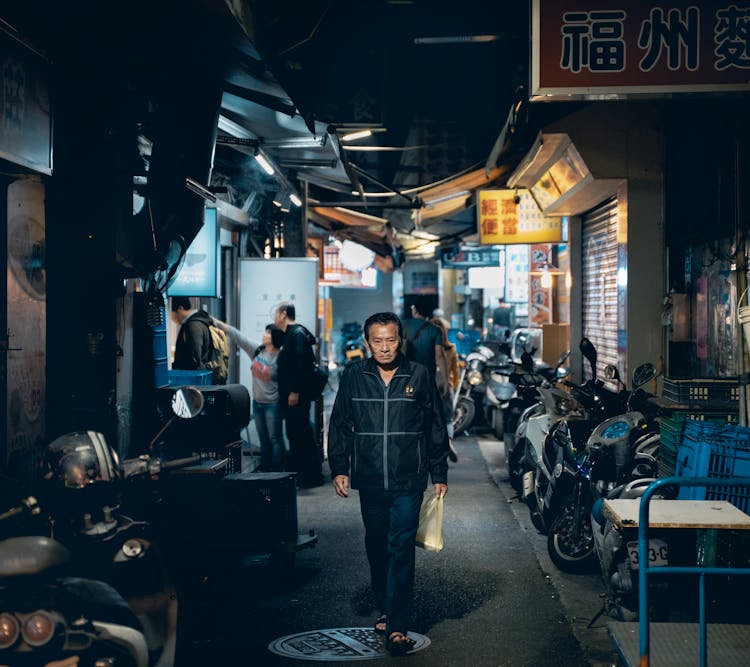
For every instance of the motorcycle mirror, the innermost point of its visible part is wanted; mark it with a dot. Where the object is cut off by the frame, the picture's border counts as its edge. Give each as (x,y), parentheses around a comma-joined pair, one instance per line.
(611,372)
(643,374)
(527,361)
(187,402)
(563,358)
(589,352)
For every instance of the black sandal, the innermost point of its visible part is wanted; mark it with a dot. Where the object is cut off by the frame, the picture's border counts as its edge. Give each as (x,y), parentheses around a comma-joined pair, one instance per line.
(382,620)
(400,647)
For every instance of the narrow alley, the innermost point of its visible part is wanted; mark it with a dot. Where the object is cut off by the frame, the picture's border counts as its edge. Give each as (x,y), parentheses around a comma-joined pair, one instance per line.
(491,597)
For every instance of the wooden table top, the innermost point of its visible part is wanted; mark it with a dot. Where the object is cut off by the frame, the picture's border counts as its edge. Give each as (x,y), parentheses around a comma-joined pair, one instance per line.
(718,514)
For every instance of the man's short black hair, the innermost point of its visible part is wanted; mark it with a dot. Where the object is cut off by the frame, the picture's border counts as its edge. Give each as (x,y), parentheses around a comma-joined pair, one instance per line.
(423,305)
(181,302)
(288,308)
(383,318)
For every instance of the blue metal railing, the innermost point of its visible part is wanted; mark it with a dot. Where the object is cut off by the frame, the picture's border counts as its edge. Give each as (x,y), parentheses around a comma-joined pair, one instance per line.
(644,570)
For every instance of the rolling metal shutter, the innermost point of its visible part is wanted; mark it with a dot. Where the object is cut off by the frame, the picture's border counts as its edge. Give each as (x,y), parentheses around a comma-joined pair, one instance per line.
(599,282)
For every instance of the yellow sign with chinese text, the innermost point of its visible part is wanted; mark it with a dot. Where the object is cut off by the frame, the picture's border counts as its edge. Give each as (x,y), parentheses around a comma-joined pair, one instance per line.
(512,216)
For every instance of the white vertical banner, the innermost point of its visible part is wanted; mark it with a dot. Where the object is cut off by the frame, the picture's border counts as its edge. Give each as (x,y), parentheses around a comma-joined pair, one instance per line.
(264,283)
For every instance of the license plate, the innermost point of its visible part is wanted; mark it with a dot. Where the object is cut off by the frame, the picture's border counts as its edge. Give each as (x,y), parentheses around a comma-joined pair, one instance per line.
(658,553)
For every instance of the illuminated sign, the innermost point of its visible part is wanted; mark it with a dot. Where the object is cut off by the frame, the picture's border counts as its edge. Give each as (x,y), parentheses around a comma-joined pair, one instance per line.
(198,275)
(467,257)
(609,48)
(512,216)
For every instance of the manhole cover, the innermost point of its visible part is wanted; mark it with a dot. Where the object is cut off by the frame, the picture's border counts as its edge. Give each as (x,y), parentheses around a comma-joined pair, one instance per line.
(337,644)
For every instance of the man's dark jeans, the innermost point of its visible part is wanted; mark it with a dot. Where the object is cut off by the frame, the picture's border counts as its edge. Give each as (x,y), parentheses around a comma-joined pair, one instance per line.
(391,519)
(304,456)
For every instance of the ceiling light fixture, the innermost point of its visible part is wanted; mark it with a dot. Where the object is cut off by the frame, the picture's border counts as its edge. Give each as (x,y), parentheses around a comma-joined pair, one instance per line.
(457,39)
(294,198)
(264,163)
(360,134)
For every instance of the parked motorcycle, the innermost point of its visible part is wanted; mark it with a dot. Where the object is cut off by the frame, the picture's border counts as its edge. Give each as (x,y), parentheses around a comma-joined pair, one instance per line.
(559,438)
(619,450)
(352,343)
(525,403)
(468,400)
(80,581)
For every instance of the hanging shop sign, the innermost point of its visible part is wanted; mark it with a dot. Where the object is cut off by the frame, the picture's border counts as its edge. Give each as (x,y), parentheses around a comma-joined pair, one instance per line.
(199,273)
(470,257)
(26,123)
(609,49)
(512,216)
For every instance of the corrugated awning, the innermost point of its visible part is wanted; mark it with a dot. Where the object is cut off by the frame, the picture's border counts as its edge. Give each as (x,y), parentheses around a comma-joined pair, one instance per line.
(450,196)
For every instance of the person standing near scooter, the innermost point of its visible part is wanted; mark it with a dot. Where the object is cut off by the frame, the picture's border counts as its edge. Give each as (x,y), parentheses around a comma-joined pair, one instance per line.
(387,435)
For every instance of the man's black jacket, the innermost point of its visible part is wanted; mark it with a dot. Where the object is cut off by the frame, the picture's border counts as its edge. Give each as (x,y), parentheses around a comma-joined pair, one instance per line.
(295,362)
(388,438)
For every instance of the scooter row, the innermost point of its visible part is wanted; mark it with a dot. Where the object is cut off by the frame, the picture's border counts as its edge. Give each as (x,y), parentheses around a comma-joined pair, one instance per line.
(574,447)
(82,583)
(494,390)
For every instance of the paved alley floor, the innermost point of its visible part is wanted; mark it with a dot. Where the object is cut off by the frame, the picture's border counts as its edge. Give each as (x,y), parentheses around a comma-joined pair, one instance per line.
(489,598)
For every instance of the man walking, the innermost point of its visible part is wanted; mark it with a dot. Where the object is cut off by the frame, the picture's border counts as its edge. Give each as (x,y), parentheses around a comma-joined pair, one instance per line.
(424,344)
(295,367)
(386,435)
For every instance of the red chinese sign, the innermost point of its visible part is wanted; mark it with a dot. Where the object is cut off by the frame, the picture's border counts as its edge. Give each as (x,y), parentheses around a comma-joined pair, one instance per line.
(512,216)
(583,48)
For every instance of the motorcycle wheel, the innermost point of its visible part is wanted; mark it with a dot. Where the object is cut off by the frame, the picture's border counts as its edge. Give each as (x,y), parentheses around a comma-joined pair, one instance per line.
(570,550)
(536,503)
(537,520)
(514,458)
(463,415)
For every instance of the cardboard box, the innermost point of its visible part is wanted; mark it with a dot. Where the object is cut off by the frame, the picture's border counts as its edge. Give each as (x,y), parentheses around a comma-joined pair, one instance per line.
(555,341)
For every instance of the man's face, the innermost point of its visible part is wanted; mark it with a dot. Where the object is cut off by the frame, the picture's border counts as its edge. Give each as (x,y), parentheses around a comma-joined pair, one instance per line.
(279,319)
(178,315)
(383,342)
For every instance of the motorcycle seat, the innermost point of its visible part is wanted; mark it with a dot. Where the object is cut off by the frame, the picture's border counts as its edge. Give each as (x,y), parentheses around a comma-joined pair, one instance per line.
(30,555)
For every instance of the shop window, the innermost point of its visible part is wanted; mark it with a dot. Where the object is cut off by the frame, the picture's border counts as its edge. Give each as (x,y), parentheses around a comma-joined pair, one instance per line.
(701,311)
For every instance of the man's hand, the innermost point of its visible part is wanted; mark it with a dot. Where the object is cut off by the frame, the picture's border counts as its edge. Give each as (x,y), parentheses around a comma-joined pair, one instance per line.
(341,485)
(440,490)
(293,399)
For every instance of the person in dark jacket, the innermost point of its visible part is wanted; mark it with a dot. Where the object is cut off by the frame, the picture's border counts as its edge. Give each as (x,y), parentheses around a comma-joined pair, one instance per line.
(387,435)
(192,350)
(295,367)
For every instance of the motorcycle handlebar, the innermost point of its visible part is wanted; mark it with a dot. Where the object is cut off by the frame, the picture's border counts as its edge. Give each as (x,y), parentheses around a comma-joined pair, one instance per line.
(180,463)
(151,465)
(29,504)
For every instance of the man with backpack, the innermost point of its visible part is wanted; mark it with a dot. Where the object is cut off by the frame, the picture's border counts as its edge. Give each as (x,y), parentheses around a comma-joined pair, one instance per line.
(200,345)
(296,365)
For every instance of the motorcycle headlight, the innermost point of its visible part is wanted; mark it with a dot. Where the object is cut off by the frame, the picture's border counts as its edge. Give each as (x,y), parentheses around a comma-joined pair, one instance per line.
(474,377)
(38,629)
(9,630)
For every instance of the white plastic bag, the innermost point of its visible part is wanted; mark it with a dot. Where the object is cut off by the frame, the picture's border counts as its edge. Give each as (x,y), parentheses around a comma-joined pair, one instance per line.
(430,531)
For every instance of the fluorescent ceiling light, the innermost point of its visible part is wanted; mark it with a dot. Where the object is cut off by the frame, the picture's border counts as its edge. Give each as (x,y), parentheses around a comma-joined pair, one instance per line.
(360,134)
(295,199)
(456,39)
(265,164)
(297,142)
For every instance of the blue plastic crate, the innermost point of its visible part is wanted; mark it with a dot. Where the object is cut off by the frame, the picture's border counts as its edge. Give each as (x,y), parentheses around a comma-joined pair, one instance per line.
(725,455)
(177,378)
